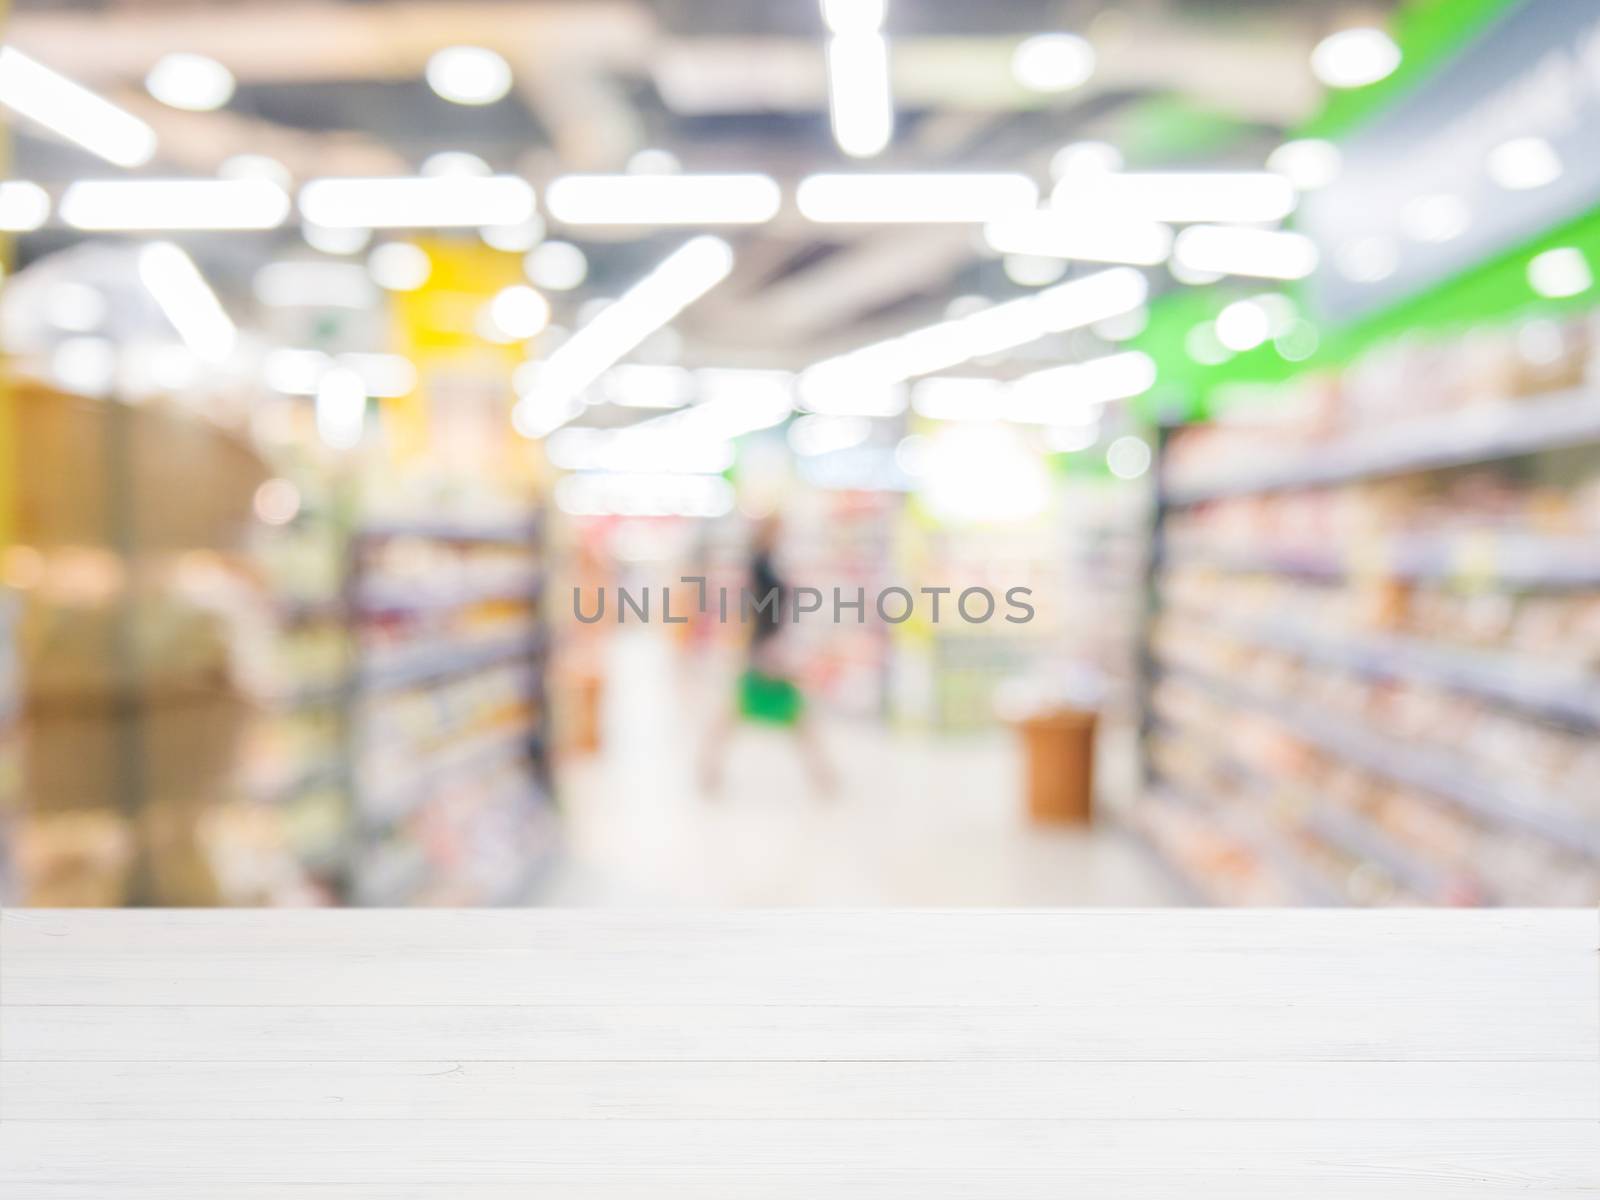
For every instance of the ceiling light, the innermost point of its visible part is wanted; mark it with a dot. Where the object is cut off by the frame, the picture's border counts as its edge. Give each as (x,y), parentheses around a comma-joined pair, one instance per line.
(1354,58)
(860,97)
(1057,395)
(1233,250)
(190,81)
(663,199)
(854,16)
(335,241)
(1308,164)
(990,331)
(24,206)
(341,411)
(311,284)
(256,166)
(187,301)
(735,401)
(1243,325)
(953,398)
(931,198)
(417,202)
(1441,217)
(1201,345)
(468,75)
(514,239)
(111,204)
(556,266)
(653,162)
(1367,259)
(1093,238)
(1122,328)
(399,266)
(519,312)
(1053,62)
(1298,341)
(1523,164)
(1033,270)
(453,162)
(815,435)
(1241,197)
(681,278)
(1069,439)
(299,372)
(1085,158)
(73,111)
(1128,457)
(635,385)
(1561,272)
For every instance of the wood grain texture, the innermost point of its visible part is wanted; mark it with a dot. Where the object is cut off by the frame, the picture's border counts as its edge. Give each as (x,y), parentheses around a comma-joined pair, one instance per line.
(606,1056)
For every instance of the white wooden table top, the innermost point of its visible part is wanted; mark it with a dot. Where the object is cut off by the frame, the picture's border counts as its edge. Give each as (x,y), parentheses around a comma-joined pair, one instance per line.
(492,1055)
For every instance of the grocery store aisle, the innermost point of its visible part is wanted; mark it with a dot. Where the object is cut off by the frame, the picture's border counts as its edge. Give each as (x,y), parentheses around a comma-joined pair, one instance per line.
(916,820)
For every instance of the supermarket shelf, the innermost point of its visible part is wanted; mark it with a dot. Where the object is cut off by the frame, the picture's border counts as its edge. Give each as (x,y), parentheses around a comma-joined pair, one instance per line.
(518,533)
(1510,560)
(1351,833)
(473,753)
(437,662)
(1359,838)
(1430,770)
(1570,695)
(395,597)
(1482,434)
(1264,841)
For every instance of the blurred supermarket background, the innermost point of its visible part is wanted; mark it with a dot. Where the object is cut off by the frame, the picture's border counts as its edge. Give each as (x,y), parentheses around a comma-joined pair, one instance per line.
(343,339)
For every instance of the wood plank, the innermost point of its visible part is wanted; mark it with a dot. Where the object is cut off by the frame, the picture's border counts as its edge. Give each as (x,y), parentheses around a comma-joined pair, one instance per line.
(1560,1024)
(1505,1154)
(862,1091)
(606,1183)
(634,933)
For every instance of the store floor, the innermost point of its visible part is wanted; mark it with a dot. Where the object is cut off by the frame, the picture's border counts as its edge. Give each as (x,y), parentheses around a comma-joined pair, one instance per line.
(915,820)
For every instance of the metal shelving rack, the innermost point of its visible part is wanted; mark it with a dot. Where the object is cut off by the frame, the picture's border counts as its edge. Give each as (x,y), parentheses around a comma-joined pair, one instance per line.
(1567,696)
(373,816)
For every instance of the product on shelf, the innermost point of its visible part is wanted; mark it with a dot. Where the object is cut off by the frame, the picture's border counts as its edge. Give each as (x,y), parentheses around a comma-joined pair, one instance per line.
(1378,637)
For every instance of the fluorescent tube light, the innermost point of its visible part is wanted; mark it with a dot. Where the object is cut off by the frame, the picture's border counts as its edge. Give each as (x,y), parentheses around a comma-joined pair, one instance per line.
(682,278)
(817,435)
(1240,197)
(417,202)
(854,16)
(183,295)
(341,411)
(1058,394)
(663,199)
(1354,57)
(24,206)
(989,331)
(952,398)
(931,198)
(1262,253)
(860,98)
(1053,62)
(1093,238)
(72,111)
(635,385)
(471,75)
(110,204)
(190,81)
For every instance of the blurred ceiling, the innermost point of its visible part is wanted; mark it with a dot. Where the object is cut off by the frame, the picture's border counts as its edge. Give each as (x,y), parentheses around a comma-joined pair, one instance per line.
(335,88)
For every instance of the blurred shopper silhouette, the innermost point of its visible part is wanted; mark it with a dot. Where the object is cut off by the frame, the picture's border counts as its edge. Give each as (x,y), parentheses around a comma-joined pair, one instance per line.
(766,692)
